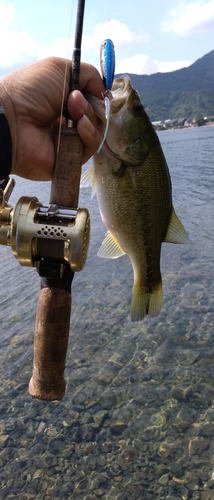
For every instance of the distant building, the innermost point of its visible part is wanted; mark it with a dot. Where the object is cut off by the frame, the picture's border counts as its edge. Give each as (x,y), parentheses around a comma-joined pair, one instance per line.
(188,122)
(181,121)
(174,123)
(170,123)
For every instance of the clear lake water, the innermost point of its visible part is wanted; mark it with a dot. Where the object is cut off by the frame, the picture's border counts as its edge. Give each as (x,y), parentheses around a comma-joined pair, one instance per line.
(137,419)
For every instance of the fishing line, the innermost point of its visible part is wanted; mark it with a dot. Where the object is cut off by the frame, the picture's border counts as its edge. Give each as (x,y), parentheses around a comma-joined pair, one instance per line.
(109,21)
(64,82)
(107,69)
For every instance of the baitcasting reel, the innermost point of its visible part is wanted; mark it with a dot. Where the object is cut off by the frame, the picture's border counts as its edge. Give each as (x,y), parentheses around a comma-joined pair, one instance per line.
(48,238)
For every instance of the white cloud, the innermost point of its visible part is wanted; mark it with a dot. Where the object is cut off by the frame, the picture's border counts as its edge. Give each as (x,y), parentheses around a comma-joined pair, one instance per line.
(17,48)
(191,18)
(166,66)
(138,64)
(60,48)
(6,13)
(20,49)
(119,32)
(142,65)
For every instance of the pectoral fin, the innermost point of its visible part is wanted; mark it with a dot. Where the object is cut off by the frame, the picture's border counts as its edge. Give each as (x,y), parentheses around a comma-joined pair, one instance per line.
(88,178)
(176,232)
(110,249)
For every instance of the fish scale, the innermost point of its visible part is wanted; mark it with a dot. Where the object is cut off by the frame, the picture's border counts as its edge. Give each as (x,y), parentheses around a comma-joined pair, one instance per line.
(133,187)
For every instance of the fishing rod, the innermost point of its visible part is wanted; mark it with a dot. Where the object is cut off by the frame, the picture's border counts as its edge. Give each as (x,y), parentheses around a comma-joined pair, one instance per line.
(55,240)
(54,306)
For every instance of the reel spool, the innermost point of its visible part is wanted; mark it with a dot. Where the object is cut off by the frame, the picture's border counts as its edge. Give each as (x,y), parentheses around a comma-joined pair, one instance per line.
(45,237)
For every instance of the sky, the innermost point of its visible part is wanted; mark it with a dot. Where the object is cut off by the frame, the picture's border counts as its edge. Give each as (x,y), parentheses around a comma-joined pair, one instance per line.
(149,36)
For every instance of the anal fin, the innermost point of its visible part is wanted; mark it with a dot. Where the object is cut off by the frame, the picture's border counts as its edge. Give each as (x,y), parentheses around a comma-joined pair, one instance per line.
(176,233)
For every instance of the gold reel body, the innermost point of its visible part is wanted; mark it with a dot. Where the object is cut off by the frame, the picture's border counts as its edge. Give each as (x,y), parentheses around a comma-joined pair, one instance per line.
(47,238)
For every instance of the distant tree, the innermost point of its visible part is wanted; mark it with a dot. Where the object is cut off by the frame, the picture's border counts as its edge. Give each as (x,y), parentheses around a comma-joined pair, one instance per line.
(186,92)
(199,120)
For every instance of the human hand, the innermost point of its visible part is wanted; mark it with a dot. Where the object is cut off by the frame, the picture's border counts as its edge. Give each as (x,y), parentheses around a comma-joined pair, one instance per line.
(32,100)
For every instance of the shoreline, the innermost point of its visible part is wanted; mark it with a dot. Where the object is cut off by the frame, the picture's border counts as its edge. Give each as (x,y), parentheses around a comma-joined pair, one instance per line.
(209,124)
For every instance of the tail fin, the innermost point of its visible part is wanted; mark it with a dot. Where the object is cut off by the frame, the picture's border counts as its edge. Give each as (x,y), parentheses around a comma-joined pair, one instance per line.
(144,303)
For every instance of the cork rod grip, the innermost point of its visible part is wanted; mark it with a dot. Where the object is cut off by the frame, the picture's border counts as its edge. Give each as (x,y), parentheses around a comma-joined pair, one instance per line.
(66,179)
(54,305)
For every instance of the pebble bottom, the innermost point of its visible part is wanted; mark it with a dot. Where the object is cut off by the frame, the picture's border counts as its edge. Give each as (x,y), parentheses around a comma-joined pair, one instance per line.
(137,419)
(140,425)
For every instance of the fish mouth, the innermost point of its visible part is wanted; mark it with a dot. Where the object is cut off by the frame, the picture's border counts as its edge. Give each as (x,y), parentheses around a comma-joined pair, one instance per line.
(118,97)
(121,88)
(115,142)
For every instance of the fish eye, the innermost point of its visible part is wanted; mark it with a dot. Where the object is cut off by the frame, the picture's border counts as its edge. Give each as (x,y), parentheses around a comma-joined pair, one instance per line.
(137,108)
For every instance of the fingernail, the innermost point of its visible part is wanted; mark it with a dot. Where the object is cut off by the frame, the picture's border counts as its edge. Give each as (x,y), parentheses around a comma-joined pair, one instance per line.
(84,106)
(88,125)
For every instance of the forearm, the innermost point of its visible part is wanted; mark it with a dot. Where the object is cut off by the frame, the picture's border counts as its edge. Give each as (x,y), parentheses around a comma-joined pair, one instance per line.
(5,146)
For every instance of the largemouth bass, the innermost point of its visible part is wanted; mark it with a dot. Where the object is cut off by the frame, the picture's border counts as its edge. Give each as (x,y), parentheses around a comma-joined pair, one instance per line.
(132,182)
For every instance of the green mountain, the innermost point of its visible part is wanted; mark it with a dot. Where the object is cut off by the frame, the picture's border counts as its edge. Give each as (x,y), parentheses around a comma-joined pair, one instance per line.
(187,92)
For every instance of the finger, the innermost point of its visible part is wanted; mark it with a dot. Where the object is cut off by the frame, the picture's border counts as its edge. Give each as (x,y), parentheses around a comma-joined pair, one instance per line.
(61,69)
(79,106)
(91,80)
(90,137)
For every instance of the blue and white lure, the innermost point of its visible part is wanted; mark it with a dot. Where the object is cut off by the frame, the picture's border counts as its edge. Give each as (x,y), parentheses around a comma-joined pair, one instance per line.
(107,63)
